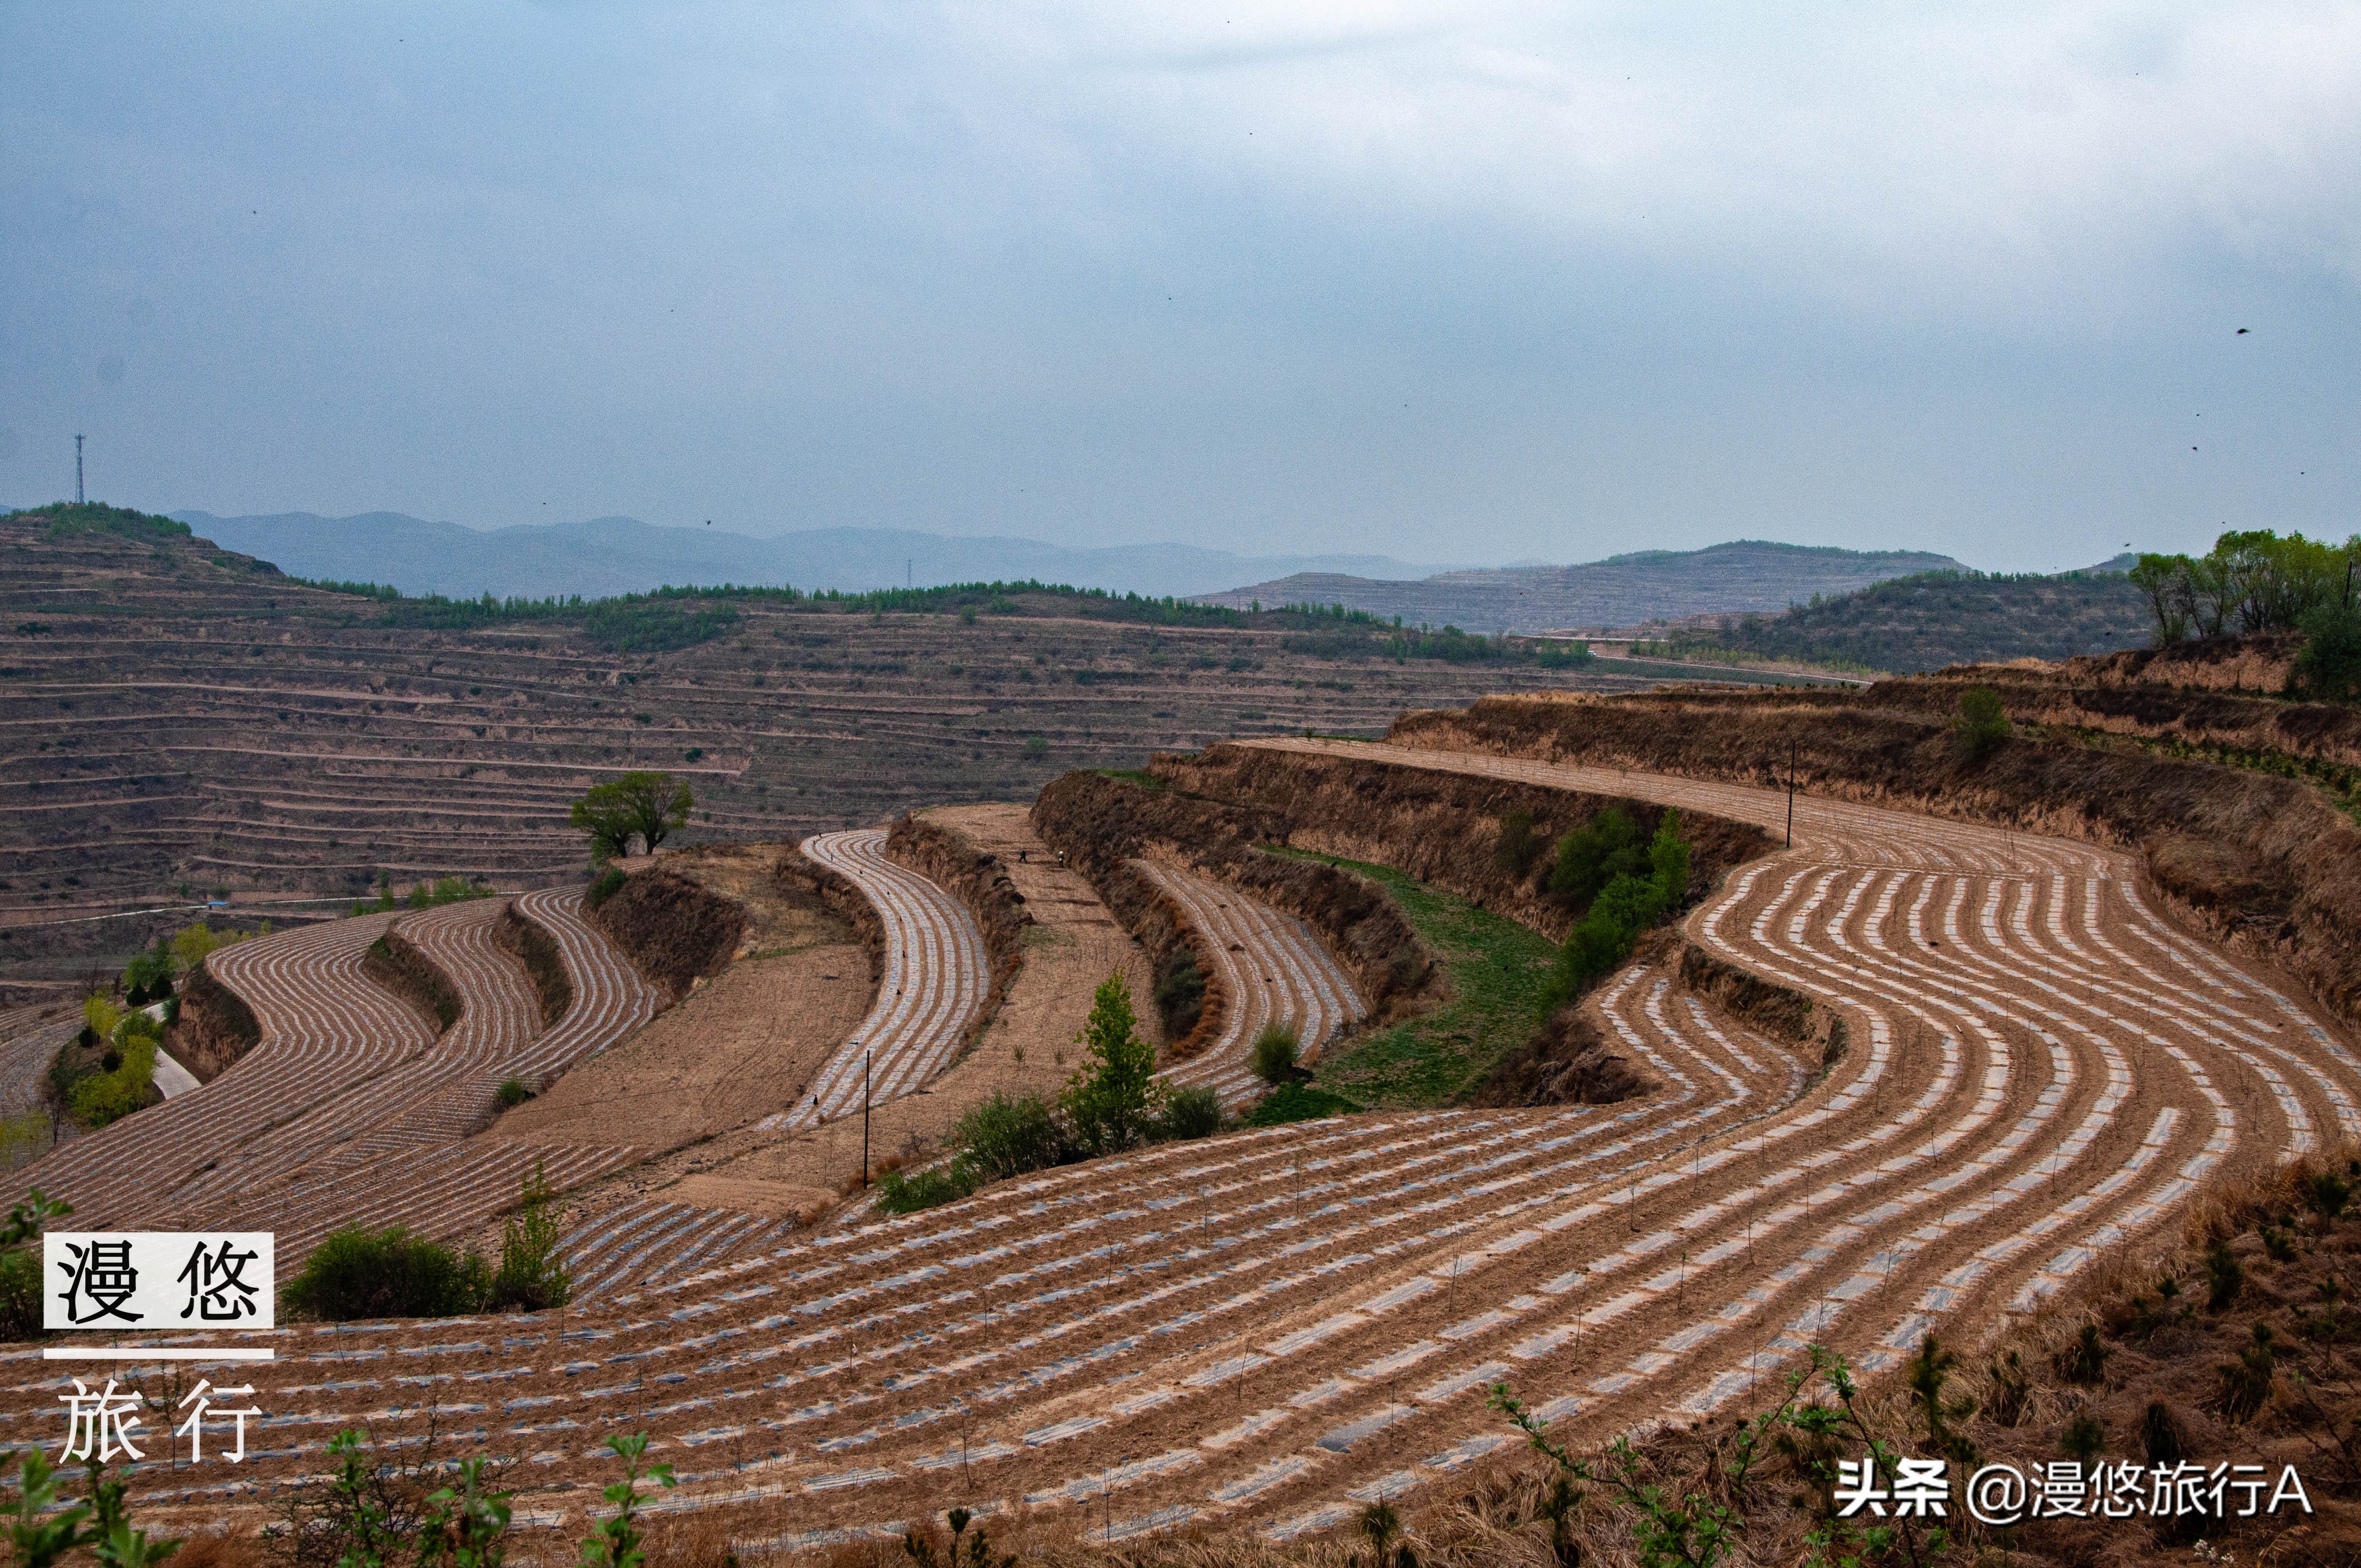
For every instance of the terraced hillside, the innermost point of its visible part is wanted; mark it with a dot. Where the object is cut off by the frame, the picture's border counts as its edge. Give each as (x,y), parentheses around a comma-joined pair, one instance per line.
(1266,1330)
(179,719)
(352,1108)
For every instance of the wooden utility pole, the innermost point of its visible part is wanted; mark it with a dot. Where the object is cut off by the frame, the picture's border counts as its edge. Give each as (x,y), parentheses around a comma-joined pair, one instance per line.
(1791,794)
(865,1119)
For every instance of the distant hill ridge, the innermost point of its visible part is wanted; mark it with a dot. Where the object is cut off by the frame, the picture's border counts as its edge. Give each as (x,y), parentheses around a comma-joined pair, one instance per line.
(1929,619)
(610,555)
(1746,574)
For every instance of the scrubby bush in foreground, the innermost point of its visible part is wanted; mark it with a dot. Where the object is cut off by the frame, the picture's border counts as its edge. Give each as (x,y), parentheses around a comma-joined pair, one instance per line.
(1194,1113)
(1008,1136)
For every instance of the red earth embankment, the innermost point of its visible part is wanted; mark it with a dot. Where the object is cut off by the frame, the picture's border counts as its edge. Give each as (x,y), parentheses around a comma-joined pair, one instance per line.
(675,931)
(213,1027)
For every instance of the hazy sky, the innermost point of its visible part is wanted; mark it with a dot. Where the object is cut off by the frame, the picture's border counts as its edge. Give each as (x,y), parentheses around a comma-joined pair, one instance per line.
(1456,281)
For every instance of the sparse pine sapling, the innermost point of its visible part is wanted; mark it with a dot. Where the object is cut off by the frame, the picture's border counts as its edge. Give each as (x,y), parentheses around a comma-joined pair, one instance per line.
(1114,1096)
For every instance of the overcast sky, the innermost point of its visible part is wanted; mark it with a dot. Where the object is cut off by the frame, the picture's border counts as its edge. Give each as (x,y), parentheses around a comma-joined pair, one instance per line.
(1453,282)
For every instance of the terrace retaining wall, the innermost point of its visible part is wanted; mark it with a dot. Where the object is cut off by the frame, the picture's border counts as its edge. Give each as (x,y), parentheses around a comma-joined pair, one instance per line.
(213,1027)
(674,930)
(2264,864)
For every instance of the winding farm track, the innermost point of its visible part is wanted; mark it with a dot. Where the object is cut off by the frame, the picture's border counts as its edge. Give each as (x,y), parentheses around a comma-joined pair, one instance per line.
(937,974)
(1274,970)
(1269,1328)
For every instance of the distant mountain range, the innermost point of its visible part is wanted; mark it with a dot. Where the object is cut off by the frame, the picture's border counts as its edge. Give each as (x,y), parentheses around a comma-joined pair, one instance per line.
(609,555)
(1748,574)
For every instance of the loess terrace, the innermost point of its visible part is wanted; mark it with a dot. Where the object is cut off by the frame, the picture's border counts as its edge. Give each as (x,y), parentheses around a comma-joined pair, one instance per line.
(1922,1048)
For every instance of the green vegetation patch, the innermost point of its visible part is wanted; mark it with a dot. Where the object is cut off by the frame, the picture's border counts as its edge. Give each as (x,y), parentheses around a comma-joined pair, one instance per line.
(1497,971)
(1298,1102)
(1928,620)
(69,518)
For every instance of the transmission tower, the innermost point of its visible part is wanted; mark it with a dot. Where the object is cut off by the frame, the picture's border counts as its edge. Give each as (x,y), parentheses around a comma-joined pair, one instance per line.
(77,470)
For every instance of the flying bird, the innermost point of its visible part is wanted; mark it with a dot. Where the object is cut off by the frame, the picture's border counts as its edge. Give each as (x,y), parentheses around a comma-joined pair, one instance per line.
(2240,333)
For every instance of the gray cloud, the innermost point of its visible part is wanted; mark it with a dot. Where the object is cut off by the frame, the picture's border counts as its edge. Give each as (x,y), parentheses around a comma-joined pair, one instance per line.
(1435,281)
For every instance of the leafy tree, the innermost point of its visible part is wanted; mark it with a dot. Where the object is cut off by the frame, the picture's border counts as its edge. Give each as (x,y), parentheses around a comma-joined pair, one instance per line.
(149,976)
(2251,580)
(1112,1099)
(1626,907)
(648,806)
(2329,665)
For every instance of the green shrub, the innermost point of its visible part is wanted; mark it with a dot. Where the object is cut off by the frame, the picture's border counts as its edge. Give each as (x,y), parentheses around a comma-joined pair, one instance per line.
(1622,910)
(513,1092)
(1009,1135)
(610,882)
(1181,992)
(112,1093)
(900,1194)
(1114,1098)
(1275,1054)
(391,1273)
(1980,723)
(24,1138)
(427,894)
(532,1276)
(1298,1102)
(1194,1112)
(1594,855)
(149,977)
